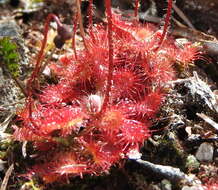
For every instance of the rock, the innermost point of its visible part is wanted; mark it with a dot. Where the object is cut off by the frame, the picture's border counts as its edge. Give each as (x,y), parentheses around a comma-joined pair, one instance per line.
(2,1)
(205,152)
(10,94)
(216,155)
(9,28)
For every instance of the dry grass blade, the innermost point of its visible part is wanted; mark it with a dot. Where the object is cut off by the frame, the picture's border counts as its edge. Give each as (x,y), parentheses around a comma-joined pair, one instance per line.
(6,178)
(208,120)
(4,124)
(182,16)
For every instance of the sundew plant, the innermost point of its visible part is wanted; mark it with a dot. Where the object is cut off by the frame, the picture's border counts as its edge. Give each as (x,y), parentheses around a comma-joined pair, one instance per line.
(106,97)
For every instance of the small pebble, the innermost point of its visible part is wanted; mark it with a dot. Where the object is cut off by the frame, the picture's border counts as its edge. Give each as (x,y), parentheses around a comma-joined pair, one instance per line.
(2,165)
(205,152)
(153,187)
(166,185)
(47,71)
(216,155)
(196,187)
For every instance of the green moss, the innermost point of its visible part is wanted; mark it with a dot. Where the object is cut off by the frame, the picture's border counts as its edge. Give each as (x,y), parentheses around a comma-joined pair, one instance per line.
(170,152)
(192,163)
(9,56)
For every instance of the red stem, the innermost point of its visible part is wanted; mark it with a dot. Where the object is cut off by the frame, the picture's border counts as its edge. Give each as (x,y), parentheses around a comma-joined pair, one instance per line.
(82,32)
(166,23)
(90,13)
(36,70)
(74,36)
(136,8)
(38,65)
(110,58)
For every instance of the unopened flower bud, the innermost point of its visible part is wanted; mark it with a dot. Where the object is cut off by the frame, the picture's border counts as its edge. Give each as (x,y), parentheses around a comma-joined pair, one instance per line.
(94,103)
(58,41)
(64,33)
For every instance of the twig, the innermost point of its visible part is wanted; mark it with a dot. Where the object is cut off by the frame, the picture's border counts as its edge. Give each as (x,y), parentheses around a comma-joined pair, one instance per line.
(171,173)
